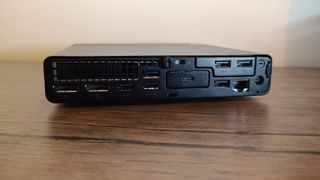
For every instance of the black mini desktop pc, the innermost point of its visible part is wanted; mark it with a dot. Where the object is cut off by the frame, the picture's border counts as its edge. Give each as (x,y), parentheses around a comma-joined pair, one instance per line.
(130,72)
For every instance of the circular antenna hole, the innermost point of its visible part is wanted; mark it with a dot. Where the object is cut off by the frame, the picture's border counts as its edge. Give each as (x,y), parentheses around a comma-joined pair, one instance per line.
(259,80)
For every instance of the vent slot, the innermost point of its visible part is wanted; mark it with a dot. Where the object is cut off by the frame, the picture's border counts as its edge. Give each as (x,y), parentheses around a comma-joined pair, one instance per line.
(110,70)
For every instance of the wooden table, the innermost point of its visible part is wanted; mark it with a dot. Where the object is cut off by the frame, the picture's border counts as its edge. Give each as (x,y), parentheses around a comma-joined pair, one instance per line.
(276,136)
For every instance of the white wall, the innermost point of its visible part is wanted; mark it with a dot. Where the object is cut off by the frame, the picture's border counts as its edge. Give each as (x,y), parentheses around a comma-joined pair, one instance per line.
(31,30)
(303,33)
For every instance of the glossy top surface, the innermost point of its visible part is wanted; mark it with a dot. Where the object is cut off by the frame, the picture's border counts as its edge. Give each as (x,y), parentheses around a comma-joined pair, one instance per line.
(148,50)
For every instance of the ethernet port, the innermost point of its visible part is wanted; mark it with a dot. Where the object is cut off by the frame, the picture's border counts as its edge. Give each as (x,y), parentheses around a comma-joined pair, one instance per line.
(241,86)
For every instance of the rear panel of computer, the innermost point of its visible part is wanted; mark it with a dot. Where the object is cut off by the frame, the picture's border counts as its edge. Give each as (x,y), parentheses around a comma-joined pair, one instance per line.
(104,79)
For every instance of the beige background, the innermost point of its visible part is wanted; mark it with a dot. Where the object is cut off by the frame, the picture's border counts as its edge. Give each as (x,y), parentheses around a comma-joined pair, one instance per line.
(289,30)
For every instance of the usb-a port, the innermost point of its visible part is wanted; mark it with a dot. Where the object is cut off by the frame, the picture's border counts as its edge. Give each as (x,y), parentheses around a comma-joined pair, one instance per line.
(151,85)
(245,63)
(223,64)
(222,83)
(151,75)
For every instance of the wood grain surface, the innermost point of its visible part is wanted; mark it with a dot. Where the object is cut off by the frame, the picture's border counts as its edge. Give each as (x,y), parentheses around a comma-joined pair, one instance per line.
(276,136)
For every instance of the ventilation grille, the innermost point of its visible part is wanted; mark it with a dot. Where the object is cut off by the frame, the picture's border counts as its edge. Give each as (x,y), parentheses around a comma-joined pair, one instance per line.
(98,70)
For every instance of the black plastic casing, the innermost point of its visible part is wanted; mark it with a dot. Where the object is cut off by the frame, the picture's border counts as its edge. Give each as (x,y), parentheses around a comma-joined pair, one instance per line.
(85,79)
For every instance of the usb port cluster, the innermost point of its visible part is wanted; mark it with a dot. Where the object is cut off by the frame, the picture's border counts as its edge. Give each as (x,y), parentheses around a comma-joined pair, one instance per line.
(151,80)
(234,66)
(240,63)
